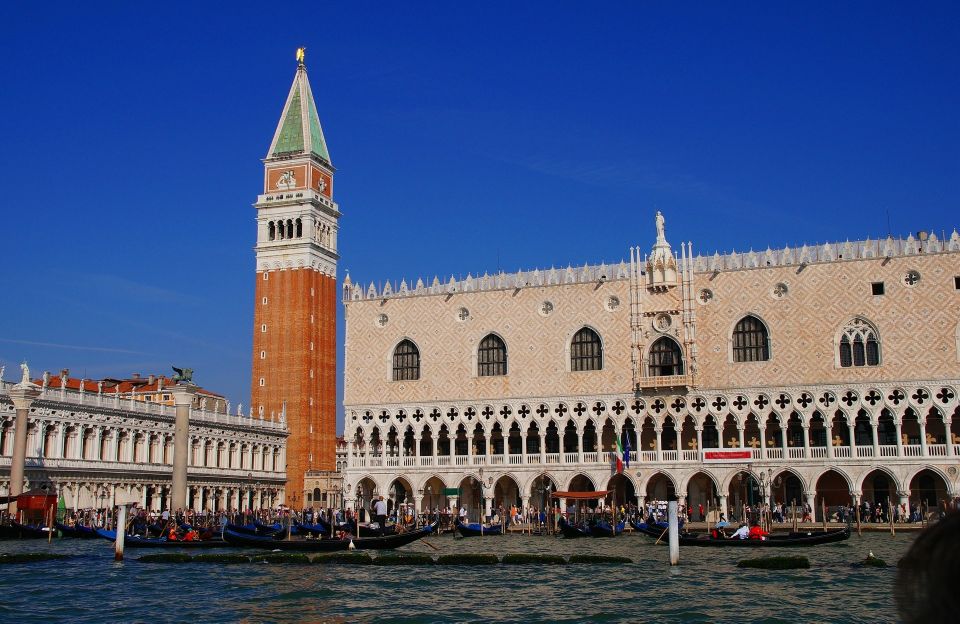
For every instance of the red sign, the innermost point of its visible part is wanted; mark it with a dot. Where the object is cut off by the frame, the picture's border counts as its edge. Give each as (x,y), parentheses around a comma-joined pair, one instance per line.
(726,455)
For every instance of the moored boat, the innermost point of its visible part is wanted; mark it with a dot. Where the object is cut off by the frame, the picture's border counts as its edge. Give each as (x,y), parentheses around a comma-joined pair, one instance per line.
(475,529)
(29,531)
(138,541)
(789,540)
(571,531)
(603,529)
(76,530)
(301,544)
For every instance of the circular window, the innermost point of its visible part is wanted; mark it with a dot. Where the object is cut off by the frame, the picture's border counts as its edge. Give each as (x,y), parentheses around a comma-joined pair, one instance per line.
(463,314)
(779,291)
(546,308)
(705,296)
(382,320)
(912,278)
(612,303)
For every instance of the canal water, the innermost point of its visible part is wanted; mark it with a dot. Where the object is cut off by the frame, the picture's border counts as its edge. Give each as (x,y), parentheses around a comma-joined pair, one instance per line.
(706,587)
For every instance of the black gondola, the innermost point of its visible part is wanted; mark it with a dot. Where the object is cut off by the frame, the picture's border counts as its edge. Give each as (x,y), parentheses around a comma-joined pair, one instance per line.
(138,541)
(790,540)
(603,529)
(235,538)
(571,531)
(30,531)
(475,529)
(76,530)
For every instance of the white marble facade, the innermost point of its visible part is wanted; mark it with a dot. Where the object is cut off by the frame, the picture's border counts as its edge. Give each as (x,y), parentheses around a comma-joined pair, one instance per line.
(100,449)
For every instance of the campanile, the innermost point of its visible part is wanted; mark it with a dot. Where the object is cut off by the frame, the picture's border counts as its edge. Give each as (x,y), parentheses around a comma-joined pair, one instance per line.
(295,320)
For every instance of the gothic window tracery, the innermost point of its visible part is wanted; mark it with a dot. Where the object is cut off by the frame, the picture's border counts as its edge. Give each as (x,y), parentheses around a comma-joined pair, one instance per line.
(751,342)
(859,345)
(492,357)
(406,362)
(586,351)
(666,358)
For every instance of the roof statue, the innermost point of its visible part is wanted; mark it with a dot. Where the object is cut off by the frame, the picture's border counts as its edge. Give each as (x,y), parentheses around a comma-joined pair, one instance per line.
(301,53)
(25,377)
(661,264)
(661,236)
(184,375)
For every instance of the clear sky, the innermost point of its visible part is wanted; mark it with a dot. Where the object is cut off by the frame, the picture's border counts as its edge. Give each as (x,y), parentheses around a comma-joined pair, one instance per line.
(512,135)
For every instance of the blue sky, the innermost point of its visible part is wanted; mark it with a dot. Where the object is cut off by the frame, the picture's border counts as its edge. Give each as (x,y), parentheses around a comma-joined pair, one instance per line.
(466,140)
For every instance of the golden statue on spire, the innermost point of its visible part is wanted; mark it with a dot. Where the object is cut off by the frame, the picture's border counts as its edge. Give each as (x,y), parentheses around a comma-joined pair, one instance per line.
(301,53)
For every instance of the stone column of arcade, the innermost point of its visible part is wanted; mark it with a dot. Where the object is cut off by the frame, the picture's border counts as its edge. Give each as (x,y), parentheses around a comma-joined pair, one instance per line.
(182,399)
(23,394)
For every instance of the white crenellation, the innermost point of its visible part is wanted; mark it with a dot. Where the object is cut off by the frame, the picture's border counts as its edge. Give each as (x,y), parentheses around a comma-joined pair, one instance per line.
(716,263)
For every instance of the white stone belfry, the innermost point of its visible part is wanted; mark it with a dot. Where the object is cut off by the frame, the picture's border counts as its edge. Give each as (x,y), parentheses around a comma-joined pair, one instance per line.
(661,264)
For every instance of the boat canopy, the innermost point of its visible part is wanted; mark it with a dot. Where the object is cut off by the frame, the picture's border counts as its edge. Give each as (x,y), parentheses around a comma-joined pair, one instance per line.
(581,495)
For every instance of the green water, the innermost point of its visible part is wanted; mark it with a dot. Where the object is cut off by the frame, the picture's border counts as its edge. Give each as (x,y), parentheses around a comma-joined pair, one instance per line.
(706,587)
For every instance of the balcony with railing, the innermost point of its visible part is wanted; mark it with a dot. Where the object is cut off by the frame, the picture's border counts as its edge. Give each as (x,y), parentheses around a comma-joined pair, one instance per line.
(664,381)
(791,454)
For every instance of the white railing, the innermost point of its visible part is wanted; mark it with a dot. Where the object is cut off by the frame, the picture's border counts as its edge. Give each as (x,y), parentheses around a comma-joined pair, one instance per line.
(693,455)
(795,453)
(571,458)
(463,460)
(841,452)
(864,451)
(124,403)
(648,456)
(393,461)
(496,460)
(670,456)
(359,461)
(553,458)
(774,453)
(937,450)
(755,453)
(633,456)
(956,449)
(590,458)
(125,468)
(376,462)
(426,461)
(409,461)
(443,460)
(818,452)
(533,458)
(888,450)
(479,460)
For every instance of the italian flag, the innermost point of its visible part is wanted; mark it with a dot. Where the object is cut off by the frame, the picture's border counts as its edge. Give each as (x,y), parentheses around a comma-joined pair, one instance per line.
(619,456)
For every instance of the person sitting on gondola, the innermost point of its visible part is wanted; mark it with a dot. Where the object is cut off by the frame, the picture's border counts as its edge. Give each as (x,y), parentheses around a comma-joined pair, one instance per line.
(172,535)
(757,533)
(742,533)
(191,536)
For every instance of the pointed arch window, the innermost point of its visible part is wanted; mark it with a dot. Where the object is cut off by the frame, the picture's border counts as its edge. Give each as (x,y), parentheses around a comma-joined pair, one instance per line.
(666,358)
(492,357)
(586,351)
(859,345)
(406,362)
(751,342)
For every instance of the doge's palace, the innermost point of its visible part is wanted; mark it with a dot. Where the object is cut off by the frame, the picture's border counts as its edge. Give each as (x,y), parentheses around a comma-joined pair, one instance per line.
(827,373)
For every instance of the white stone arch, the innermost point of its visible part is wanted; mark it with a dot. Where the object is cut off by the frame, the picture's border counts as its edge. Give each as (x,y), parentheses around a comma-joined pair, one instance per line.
(766,328)
(475,356)
(649,477)
(543,473)
(949,481)
(842,329)
(433,475)
(832,468)
(585,474)
(778,472)
(898,485)
(685,481)
(568,347)
(605,478)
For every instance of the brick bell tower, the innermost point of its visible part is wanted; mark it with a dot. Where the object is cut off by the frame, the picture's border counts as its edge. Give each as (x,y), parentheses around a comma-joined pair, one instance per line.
(295,317)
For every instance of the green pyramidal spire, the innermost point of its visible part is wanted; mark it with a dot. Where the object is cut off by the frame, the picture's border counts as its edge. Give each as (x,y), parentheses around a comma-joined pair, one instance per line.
(299,130)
